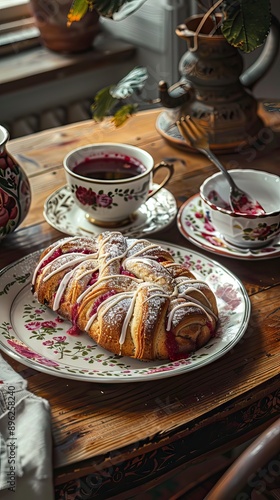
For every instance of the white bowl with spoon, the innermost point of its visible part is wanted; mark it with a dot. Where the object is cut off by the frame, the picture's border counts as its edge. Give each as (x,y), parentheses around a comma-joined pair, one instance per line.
(242,229)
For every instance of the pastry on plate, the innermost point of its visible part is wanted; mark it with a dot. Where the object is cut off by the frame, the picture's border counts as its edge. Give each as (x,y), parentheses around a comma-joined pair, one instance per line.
(129,295)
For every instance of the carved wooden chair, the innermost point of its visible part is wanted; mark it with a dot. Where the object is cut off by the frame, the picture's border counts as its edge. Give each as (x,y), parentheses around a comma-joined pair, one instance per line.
(255,474)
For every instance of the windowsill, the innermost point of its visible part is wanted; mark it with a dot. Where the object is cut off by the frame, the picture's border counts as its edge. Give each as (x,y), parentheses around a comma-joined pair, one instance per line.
(39,65)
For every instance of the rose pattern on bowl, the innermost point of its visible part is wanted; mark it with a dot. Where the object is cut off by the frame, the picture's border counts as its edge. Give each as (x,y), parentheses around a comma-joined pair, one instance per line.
(15,192)
(88,197)
(259,233)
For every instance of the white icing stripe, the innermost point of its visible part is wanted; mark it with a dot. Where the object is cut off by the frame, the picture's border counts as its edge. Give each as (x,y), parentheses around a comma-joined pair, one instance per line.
(207,309)
(127,320)
(130,312)
(155,289)
(85,292)
(147,260)
(46,257)
(88,271)
(90,321)
(64,282)
(105,256)
(114,300)
(123,255)
(90,288)
(128,315)
(103,242)
(192,289)
(161,295)
(187,281)
(175,291)
(179,306)
(70,263)
(105,278)
(143,250)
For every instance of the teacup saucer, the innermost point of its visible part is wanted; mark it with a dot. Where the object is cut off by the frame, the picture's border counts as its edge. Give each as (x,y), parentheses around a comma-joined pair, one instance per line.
(157,213)
(196,228)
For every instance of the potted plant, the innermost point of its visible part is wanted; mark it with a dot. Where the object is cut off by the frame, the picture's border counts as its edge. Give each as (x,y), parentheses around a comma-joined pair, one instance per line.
(243,24)
(50,18)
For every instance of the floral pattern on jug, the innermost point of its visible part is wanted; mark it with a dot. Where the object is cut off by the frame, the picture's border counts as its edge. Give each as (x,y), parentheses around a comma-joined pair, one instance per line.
(15,192)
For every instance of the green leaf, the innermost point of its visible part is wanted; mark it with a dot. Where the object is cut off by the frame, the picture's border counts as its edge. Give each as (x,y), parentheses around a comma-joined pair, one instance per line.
(124,113)
(103,104)
(246,23)
(117,9)
(78,9)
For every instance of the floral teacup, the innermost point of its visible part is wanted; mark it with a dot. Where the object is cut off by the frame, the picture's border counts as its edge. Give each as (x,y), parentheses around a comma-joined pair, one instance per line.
(110,181)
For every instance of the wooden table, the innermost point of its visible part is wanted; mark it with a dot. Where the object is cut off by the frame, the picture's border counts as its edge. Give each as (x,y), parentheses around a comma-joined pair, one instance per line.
(238,394)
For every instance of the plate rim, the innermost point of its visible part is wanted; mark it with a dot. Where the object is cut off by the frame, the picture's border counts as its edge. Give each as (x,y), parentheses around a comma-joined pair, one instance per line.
(220,250)
(137,377)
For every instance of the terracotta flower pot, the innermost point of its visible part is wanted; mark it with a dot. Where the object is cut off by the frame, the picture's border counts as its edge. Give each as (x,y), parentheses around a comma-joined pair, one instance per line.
(51,19)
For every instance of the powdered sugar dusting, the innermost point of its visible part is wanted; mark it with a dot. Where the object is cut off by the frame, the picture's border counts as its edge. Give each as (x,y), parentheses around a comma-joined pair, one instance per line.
(129,282)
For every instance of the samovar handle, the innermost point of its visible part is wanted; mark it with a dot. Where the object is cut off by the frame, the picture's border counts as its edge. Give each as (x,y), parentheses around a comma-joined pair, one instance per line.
(257,70)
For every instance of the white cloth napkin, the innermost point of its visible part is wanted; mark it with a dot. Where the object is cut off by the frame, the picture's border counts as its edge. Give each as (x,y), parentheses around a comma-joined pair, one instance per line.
(25,440)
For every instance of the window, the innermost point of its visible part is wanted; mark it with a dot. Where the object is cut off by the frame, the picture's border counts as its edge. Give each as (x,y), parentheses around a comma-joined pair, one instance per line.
(17,30)
(10,10)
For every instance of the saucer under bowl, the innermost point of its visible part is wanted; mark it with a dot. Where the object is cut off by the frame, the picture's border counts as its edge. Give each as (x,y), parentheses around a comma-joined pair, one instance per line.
(195,226)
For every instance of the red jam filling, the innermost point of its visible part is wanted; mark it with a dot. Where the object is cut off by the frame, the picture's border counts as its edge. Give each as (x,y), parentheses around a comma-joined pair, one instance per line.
(94,278)
(74,331)
(211,329)
(53,256)
(58,252)
(171,345)
(126,273)
(74,314)
(160,259)
(172,348)
(86,251)
(101,299)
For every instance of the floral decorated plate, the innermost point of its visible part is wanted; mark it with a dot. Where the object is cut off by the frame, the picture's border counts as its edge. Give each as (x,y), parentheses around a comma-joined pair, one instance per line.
(36,336)
(194,225)
(61,212)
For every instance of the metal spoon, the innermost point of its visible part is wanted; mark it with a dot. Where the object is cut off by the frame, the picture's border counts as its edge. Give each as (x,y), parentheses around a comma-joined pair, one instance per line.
(240,201)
